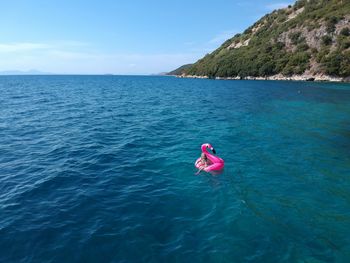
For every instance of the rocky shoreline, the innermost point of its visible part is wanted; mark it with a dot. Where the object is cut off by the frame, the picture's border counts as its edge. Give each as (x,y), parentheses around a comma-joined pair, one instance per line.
(277,77)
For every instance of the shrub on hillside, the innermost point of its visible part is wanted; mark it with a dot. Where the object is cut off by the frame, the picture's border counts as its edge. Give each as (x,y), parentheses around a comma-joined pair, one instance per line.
(295,37)
(345,31)
(326,40)
(332,63)
(330,23)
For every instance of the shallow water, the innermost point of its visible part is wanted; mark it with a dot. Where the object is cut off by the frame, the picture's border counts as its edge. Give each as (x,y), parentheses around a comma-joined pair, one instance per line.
(100,169)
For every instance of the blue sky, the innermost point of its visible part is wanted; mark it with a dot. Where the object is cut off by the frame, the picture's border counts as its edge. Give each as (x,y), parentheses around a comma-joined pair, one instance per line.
(121,36)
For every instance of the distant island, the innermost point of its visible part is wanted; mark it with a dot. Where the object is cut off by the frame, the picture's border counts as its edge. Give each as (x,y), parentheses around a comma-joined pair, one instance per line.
(307,41)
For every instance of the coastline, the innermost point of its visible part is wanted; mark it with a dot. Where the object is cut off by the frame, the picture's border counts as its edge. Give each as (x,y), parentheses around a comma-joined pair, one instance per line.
(320,78)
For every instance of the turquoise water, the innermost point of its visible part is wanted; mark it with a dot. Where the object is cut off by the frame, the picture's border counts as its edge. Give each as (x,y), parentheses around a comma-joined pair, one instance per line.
(100,169)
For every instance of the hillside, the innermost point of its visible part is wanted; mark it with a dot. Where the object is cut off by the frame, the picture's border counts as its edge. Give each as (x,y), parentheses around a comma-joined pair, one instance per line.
(180,70)
(309,40)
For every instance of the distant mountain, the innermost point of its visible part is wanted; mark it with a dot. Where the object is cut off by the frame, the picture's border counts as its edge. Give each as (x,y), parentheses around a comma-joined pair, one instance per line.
(160,74)
(179,70)
(29,72)
(309,40)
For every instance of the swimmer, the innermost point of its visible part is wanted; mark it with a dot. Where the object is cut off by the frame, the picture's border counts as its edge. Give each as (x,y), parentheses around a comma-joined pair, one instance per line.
(204,163)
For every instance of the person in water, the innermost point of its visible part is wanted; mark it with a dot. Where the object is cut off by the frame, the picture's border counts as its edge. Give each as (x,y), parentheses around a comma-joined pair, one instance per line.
(204,163)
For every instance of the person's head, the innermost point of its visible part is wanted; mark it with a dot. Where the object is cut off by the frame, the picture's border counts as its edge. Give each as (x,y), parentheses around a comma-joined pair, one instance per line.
(203,157)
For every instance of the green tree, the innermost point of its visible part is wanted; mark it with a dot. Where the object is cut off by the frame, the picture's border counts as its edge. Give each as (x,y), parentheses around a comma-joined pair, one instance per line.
(333,62)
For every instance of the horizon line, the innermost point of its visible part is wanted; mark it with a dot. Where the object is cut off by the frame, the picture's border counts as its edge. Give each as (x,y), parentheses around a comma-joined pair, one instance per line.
(81,74)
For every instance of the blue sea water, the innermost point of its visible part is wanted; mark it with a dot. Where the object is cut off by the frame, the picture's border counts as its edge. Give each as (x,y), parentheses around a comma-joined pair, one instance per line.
(100,169)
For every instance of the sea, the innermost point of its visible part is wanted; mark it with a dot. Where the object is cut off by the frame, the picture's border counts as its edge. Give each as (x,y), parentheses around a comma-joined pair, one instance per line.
(101,169)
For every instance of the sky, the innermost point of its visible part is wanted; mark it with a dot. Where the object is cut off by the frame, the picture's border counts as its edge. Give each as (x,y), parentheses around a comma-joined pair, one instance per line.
(120,36)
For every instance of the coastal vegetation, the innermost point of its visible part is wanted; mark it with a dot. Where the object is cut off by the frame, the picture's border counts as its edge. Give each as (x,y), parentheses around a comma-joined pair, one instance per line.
(180,70)
(312,37)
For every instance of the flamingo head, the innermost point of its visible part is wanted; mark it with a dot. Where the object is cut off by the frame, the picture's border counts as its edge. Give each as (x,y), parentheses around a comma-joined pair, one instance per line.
(208,146)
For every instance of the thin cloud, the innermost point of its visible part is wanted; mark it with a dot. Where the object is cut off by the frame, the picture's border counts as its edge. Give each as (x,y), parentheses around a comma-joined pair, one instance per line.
(94,62)
(200,49)
(222,37)
(81,58)
(31,46)
(244,4)
(275,6)
(18,47)
(189,43)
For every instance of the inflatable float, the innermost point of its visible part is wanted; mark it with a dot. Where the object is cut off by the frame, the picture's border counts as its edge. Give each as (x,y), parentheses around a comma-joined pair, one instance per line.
(215,163)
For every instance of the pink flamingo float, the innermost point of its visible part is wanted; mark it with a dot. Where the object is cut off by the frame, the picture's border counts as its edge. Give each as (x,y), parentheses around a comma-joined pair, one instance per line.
(214,163)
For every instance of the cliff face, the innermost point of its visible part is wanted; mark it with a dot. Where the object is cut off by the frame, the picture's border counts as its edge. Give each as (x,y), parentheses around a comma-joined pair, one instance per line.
(308,40)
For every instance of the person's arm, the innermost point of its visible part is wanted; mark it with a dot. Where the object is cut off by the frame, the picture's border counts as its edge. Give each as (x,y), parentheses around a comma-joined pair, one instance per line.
(202,168)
